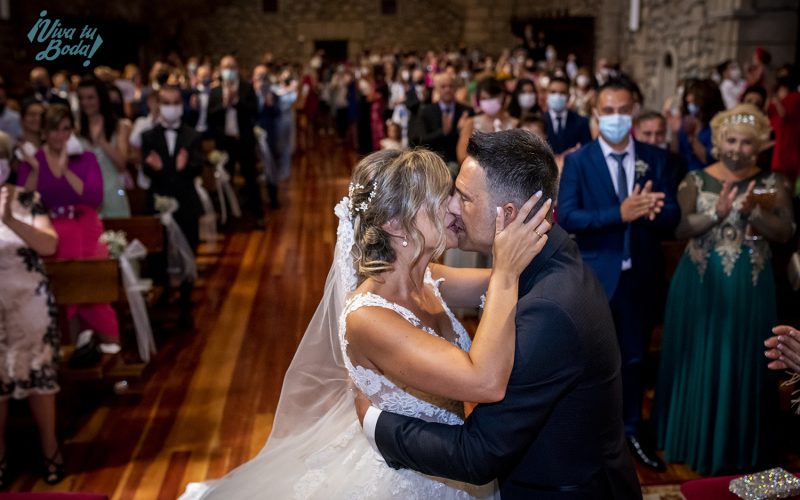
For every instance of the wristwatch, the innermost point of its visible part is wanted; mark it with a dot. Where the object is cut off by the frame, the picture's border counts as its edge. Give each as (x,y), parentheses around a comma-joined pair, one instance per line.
(715,216)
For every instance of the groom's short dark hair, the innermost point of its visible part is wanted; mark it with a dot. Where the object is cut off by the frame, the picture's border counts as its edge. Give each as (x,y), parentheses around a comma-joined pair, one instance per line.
(517,164)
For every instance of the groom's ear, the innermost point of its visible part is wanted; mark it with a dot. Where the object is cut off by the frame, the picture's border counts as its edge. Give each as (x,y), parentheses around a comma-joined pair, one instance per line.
(510,213)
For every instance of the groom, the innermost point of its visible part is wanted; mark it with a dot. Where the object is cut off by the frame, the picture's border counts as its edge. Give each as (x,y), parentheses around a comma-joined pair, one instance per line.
(558,433)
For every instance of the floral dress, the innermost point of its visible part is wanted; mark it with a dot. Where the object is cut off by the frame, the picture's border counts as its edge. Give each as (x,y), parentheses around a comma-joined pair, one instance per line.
(29,340)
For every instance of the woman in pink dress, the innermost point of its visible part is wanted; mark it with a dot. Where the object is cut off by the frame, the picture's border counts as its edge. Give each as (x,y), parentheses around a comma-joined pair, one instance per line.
(71,189)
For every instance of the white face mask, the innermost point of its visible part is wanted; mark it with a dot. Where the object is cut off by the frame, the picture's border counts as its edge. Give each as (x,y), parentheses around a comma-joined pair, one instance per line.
(582,80)
(526,100)
(491,106)
(171,113)
(405,75)
(5,170)
(736,74)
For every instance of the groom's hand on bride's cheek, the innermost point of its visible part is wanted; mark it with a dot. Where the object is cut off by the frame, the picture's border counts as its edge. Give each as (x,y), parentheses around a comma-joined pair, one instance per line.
(362,405)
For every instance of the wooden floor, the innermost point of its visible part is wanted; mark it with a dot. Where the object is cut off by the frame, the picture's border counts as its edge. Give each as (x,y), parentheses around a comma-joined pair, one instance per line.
(208,398)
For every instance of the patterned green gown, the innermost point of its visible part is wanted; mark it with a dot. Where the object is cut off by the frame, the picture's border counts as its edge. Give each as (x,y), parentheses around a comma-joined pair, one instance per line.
(710,399)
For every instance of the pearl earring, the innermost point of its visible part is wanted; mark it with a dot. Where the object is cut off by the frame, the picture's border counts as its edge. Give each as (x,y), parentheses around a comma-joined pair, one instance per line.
(405,242)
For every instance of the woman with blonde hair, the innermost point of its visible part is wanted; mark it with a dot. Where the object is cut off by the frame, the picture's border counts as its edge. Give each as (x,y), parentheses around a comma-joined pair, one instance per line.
(721,305)
(384,324)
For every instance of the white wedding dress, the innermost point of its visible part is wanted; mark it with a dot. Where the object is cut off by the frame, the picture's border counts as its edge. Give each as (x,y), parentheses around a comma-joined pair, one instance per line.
(317,449)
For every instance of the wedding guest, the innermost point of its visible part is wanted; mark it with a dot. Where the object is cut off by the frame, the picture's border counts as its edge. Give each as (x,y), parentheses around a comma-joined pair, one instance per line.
(29,336)
(701,102)
(41,87)
(722,304)
(614,197)
(651,128)
(71,189)
(439,121)
(105,135)
(784,115)
(493,116)
(172,160)
(232,108)
(732,84)
(523,99)
(566,129)
(31,113)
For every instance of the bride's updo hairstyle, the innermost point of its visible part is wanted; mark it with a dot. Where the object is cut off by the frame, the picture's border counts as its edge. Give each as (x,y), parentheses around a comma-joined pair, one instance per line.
(393,184)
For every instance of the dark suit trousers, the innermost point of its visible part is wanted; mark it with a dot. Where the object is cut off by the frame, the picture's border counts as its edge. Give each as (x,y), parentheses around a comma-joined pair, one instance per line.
(245,155)
(630,310)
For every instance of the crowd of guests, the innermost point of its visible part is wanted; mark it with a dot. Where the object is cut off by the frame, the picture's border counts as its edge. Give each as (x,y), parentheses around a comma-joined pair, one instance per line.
(716,164)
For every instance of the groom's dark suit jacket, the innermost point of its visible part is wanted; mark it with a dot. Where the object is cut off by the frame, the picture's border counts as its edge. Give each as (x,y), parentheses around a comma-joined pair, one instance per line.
(558,433)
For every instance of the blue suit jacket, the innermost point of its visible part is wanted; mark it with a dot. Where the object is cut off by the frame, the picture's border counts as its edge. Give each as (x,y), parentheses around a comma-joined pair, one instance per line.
(558,432)
(576,130)
(589,208)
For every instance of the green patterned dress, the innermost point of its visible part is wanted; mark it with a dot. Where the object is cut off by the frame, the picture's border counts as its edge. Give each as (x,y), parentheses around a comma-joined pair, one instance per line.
(710,399)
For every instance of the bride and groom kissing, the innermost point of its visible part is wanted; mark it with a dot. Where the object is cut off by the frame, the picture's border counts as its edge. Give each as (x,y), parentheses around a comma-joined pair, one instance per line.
(544,364)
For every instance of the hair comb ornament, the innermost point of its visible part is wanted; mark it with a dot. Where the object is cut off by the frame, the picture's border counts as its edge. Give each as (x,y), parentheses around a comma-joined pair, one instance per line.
(364,205)
(740,119)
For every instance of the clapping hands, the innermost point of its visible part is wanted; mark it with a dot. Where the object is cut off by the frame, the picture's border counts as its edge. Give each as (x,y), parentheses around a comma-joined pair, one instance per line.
(642,202)
(153,160)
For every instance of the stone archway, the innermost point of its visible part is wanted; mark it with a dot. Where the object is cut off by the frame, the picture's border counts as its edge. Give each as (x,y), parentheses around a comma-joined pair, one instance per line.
(666,77)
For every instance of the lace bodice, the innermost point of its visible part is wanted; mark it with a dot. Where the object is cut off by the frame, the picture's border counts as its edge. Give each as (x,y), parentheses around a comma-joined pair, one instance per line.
(394,397)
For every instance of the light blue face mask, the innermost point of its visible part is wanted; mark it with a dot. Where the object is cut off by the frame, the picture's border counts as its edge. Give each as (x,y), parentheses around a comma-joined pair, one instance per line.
(229,74)
(556,102)
(614,128)
(692,108)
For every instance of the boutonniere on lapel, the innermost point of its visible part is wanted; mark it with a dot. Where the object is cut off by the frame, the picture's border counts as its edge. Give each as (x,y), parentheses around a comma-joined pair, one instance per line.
(641,167)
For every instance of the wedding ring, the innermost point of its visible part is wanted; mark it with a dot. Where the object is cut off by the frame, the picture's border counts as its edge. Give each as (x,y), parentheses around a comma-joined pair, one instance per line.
(537,233)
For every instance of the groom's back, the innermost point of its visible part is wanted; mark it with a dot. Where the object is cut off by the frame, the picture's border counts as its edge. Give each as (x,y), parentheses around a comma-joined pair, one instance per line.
(568,358)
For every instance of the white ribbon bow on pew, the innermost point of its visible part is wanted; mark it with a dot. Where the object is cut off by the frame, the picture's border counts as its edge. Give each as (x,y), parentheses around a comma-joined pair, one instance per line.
(225,190)
(208,221)
(180,258)
(133,291)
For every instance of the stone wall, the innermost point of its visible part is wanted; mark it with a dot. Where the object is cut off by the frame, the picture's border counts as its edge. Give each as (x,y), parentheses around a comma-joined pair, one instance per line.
(688,38)
(245,29)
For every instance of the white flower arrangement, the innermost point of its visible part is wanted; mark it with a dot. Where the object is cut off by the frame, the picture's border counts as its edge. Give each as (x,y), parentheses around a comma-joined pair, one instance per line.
(116,241)
(217,156)
(641,168)
(165,204)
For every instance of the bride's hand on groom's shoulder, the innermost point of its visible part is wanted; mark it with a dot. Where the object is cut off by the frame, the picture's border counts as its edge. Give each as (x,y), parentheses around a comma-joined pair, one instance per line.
(518,240)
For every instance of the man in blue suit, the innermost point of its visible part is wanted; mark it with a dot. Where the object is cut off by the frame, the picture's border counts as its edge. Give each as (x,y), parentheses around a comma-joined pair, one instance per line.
(566,130)
(615,199)
(558,432)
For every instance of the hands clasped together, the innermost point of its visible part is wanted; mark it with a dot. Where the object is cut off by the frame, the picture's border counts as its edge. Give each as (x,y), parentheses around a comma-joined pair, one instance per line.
(642,202)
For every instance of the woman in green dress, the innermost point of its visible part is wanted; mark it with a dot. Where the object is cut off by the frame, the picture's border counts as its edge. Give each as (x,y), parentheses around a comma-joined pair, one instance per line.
(106,135)
(721,304)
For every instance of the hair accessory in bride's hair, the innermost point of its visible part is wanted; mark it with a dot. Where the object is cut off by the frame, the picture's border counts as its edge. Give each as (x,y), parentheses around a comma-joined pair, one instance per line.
(741,119)
(364,205)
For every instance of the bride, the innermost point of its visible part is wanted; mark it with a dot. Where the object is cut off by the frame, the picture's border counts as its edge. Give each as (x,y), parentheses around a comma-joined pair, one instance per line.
(385,324)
